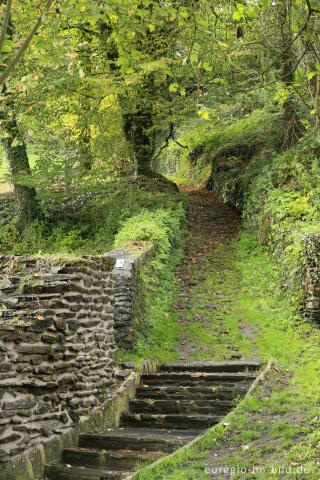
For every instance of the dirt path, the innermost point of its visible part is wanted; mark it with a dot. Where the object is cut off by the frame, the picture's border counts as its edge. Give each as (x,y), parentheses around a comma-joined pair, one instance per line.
(206,293)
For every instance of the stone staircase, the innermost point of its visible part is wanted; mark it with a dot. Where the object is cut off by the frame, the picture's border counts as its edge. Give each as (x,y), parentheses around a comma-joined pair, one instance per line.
(171,407)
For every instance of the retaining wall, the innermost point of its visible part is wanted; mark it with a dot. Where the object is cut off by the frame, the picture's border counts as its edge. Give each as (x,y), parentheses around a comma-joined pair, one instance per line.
(56,346)
(61,322)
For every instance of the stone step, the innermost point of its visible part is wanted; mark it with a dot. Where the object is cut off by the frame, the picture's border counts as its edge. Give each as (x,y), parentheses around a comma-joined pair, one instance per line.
(137,439)
(197,378)
(189,407)
(191,393)
(119,460)
(213,367)
(170,421)
(67,472)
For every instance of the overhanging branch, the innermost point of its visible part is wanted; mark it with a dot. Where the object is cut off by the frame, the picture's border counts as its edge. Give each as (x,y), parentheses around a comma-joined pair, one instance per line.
(14,62)
(5,23)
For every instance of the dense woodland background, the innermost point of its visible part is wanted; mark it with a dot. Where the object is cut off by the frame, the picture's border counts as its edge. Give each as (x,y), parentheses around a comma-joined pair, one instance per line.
(104,104)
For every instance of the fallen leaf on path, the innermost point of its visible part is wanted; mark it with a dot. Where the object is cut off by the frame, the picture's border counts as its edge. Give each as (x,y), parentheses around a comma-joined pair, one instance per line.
(243,324)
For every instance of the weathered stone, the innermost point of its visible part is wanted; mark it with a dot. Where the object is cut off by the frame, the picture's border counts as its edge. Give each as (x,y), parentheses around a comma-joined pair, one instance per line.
(10,438)
(5,367)
(18,404)
(33,349)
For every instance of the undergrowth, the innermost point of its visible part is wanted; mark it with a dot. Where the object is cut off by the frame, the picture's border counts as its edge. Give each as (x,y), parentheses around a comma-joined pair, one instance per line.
(84,221)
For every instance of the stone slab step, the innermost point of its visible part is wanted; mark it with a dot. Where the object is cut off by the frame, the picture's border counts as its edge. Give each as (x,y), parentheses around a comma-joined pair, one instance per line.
(137,439)
(64,472)
(197,378)
(119,460)
(170,421)
(229,366)
(189,392)
(190,407)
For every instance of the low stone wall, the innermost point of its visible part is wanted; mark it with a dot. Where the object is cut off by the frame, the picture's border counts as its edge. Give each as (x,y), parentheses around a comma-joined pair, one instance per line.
(312,281)
(127,303)
(56,346)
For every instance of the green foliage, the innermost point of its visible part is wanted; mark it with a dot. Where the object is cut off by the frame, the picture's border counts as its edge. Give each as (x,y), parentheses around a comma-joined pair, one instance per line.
(224,147)
(86,220)
(159,227)
(158,330)
(282,204)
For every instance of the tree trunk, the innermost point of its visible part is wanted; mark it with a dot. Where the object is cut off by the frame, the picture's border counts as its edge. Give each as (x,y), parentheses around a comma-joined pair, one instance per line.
(16,155)
(136,110)
(293,126)
(136,128)
(17,158)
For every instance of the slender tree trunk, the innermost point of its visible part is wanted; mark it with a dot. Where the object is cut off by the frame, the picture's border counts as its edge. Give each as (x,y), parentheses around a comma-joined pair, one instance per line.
(85,56)
(17,158)
(293,126)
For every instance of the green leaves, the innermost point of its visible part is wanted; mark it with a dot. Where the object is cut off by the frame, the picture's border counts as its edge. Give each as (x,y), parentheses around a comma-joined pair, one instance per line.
(173,87)
(311,75)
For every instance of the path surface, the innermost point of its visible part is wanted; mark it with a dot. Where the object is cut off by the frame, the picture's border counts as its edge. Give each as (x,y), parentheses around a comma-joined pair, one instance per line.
(206,290)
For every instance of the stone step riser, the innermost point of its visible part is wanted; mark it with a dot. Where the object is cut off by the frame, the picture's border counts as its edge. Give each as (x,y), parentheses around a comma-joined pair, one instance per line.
(183,422)
(171,392)
(189,408)
(213,367)
(108,460)
(62,472)
(148,444)
(213,379)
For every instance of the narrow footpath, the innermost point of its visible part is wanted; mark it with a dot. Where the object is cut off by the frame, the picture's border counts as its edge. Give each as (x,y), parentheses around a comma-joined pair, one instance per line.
(209,281)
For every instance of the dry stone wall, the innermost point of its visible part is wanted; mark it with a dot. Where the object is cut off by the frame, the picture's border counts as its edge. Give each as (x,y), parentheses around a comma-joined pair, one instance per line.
(56,346)
(312,280)
(128,305)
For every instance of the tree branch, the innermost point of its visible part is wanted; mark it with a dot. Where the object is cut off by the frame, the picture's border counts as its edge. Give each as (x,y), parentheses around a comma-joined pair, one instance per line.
(14,62)
(304,26)
(170,137)
(5,23)
(310,8)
